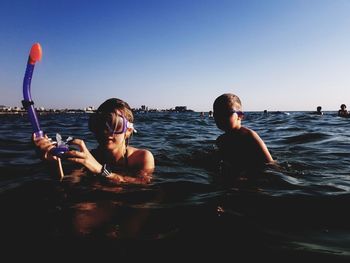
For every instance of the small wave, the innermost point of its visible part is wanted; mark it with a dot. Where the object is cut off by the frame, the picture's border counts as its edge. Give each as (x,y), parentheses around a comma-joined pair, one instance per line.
(306,138)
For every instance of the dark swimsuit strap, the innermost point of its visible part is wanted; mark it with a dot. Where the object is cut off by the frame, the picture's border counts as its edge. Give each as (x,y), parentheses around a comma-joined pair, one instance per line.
(126,162)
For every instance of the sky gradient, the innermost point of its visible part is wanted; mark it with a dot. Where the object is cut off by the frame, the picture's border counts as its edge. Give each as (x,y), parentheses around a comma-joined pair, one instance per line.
(275,55)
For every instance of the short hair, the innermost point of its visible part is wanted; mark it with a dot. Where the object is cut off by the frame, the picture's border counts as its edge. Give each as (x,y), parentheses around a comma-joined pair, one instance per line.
(227,101)
(107,111)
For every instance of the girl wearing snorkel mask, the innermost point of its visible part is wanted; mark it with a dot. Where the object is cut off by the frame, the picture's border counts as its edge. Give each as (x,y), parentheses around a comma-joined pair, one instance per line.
(114,159)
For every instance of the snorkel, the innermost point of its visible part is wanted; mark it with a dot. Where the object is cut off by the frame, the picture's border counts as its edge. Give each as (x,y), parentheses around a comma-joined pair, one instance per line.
(27,102)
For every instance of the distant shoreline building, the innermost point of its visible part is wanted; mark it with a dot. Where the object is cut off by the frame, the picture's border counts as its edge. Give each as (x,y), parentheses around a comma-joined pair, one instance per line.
(90,109)
(146,109)
(181,108)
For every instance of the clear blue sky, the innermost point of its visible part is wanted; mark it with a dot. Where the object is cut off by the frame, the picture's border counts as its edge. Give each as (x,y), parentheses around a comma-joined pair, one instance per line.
(275,55)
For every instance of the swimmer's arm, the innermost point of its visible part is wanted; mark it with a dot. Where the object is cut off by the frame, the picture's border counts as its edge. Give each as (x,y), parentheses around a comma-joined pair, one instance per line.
(143,174)
(263,148)
(143,178)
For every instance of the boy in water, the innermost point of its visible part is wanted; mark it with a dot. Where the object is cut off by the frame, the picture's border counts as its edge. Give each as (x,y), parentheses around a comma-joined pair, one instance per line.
(240,148)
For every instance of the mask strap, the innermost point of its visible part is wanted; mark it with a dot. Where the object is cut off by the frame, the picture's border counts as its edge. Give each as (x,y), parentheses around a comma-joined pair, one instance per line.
(131,125)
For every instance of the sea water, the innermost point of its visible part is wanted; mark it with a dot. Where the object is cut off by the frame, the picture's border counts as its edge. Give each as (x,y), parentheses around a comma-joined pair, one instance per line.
(298,209)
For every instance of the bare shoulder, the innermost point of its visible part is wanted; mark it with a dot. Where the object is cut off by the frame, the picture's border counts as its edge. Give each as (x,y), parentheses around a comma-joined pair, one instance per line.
(260,143)
(251,133)
(248,132)
(140,157)
(135,152)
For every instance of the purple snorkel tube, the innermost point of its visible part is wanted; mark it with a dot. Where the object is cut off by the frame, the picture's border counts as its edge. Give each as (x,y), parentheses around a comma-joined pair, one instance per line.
(34,56)
(27,102)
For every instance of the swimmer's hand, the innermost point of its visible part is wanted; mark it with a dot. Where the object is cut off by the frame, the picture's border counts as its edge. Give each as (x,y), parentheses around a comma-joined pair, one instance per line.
(51,150)
(43,146)
(83,156)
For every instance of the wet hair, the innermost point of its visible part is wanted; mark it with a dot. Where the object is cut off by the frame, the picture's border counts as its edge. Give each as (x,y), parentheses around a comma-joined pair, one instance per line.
(222,105)
(319,108)
(107,112)
(343,106)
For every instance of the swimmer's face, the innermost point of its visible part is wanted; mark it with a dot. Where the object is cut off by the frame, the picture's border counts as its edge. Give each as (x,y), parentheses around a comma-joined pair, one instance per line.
(235,119)
(116,131)
(229,118)
(114,141)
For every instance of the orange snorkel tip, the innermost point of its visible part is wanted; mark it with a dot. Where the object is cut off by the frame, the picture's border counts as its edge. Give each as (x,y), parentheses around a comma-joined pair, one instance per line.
(35,53)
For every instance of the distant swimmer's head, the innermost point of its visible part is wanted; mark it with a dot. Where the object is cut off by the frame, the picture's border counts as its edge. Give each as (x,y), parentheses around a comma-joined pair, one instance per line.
(343,106)
(319,108)
(113,117)
(226,106)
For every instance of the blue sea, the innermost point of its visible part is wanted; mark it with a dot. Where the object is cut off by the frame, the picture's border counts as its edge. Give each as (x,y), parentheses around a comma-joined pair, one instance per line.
(297,210)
